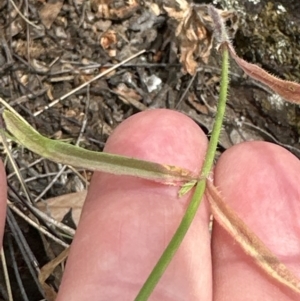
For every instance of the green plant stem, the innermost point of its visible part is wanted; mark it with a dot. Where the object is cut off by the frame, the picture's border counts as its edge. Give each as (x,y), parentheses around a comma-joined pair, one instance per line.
(190,213)
(213,143)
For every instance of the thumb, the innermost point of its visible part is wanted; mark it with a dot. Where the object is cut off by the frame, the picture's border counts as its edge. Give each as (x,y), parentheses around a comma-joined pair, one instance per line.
(127,222)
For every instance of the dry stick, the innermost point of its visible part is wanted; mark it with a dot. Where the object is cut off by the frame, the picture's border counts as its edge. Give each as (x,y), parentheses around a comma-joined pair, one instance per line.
(37,226)
(186,90)
(72,169)
(66,229)
(17,271)
(81,177)
(13,173)
(54,102)
(29,258)
(29,59)
(50,185)
(291,148)
(249,241)
(22,16)
(6,276)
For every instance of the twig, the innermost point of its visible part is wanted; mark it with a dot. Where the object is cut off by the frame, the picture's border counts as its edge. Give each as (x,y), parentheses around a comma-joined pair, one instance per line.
(35,225)
(6,276)
(24,249)
(22,16)
(50,184)
(54,102)
(186,90)
(50,220)
(16,270)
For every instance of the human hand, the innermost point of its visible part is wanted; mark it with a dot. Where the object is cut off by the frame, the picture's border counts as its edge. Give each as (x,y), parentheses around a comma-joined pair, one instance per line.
(127,222)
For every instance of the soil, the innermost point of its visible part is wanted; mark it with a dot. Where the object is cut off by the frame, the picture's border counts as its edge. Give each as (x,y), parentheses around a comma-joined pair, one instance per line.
(69,42)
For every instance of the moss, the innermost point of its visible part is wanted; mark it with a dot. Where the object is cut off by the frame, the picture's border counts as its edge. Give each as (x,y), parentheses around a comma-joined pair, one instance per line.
(271,38)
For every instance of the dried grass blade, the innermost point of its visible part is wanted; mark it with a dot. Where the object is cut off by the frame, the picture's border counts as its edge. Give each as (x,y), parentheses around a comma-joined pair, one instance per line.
(47,270)
(249,241)
(288,90)
(6,275)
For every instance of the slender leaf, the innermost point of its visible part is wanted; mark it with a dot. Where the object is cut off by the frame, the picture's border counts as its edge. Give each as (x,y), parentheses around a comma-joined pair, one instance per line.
(72,155)
(288,90)
(249,241)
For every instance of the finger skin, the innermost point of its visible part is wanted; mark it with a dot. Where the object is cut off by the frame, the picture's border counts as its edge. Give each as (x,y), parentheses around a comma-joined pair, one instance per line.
(3,197)
(260,181)
(127,222)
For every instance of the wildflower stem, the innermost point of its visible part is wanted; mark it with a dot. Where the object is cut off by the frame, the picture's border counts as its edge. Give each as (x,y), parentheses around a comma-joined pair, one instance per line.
(190,213)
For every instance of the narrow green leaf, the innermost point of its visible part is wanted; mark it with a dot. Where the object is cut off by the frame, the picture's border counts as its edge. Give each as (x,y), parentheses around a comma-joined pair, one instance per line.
(78,157)
(185,188)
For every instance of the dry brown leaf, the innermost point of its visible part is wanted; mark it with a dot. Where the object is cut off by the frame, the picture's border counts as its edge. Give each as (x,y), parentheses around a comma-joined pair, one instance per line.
(108,39)
(130,96)
(49,292)
(58,207)
(187,58)
(47,270)
(193,101)
(36,50)
(49,12)
(108,42)
(249,241)
(195,40)
(105,9)
(194,30)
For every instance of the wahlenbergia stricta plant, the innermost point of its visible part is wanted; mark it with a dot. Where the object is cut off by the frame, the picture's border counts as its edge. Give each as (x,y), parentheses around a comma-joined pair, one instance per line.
(251,244)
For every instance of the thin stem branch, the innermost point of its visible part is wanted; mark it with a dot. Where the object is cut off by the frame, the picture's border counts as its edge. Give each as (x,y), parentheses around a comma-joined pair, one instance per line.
(213,143)
(187,219)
